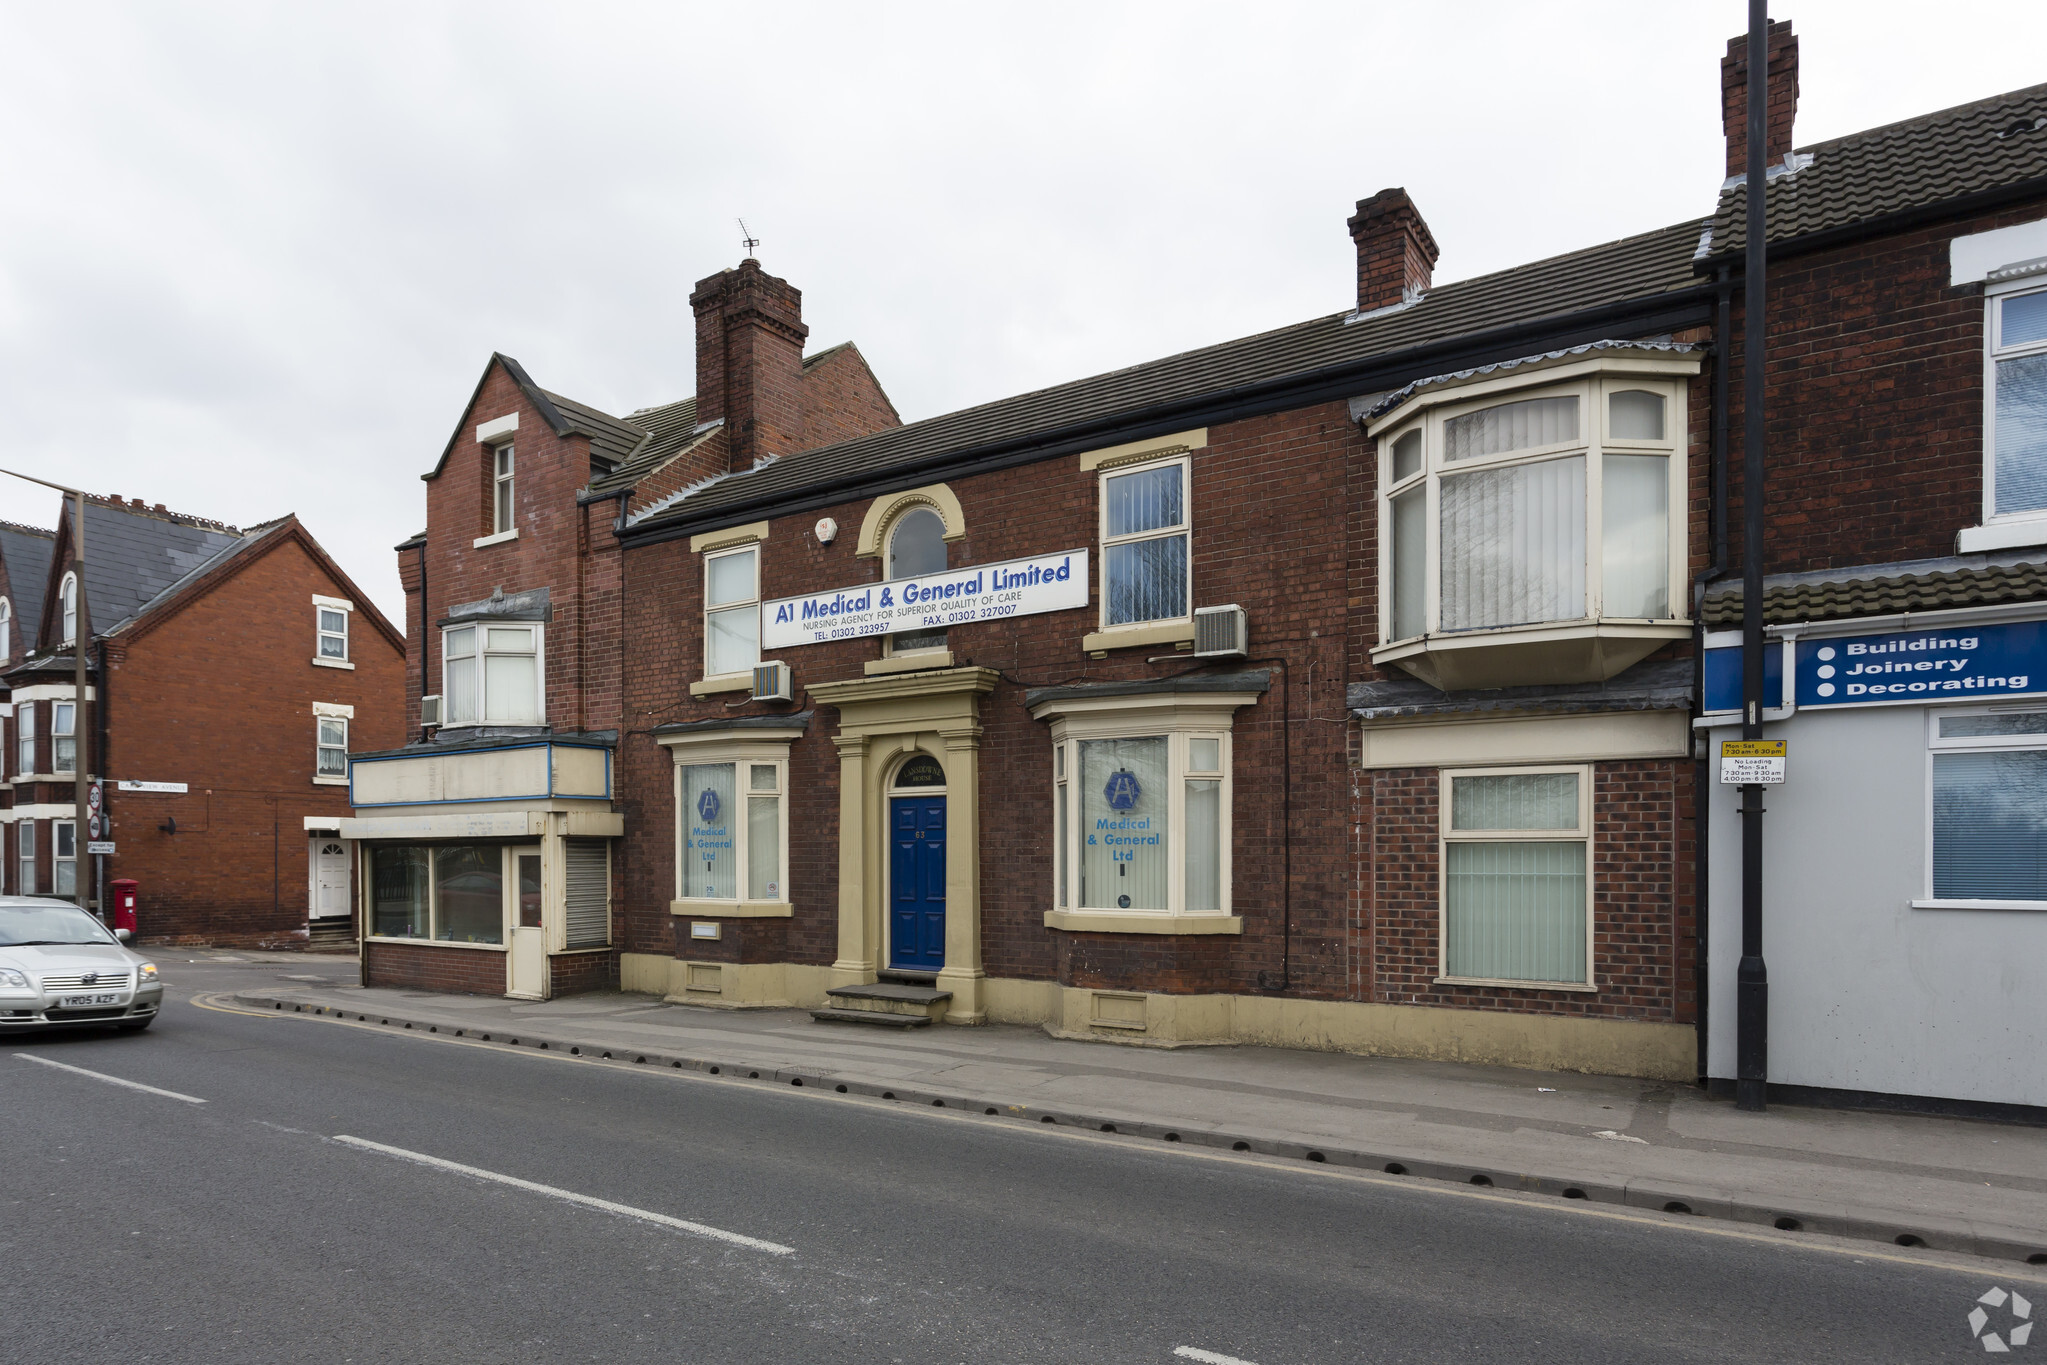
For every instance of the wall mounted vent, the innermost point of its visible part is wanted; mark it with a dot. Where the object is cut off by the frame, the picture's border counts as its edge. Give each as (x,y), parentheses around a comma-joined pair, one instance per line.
(771,682)
(1221,633)
(429,711)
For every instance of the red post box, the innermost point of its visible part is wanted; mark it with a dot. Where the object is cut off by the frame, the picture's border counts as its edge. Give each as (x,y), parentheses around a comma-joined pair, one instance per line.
(124,890)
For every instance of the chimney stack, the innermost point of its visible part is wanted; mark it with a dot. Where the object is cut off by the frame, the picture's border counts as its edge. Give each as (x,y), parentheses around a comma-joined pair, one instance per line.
(1396,250)
(1780,102)
(750,336)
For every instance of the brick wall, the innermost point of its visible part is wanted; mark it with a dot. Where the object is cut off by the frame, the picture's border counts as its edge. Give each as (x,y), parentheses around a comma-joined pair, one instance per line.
(413,966)
(568,973)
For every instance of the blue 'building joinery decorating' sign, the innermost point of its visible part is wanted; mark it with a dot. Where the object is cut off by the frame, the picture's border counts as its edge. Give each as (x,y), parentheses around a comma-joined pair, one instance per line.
(1951,664)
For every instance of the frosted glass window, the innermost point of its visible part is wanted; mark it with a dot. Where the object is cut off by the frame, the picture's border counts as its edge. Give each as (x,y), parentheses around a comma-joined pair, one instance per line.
(731,635)
(1990,825)
(1515,801)
(1524,425)
(1635,415)
(1204,845)
(1635,535)
(511,677)
(1515,911)
(710,854)
(1410,563)
(1407,455)
(1144,545)
(764,777)
(1125,843)
(764,845)
(1996,723)
(731,578)
(1513,545)
(1204,755)
(1059,845)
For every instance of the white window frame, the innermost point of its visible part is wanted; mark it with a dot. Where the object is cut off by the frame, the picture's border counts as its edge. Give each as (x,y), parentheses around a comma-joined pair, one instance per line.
(508,894)
(719,748)
(25,739)
(59,731)
(1936,744)
(6,629)
(1103,540)
(67,607)
(26,882)
(887,542)
(1594,393)
(321,635)
(751,547)
(58,862)
(504,504)
(321,748)
(1994,298)
(1446,835)
(479,702)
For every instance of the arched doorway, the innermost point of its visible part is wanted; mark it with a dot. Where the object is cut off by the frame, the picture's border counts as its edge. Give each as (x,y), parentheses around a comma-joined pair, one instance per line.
(917,839)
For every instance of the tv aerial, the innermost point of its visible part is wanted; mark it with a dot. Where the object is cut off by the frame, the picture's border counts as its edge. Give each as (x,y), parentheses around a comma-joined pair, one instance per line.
(746,238)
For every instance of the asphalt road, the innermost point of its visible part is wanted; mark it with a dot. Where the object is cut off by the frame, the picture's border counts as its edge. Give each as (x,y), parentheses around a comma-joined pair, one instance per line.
(806,1226)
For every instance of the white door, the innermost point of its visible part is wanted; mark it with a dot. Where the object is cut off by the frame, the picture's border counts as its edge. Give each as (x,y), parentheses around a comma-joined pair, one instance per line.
(329,860)
(529,932)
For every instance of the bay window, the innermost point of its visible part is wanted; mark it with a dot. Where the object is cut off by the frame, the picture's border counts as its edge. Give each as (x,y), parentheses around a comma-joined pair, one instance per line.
(1988,809)
(25,738)
(1516,863)
(63,737)
(64,857)
(25,855)
(1146,555)
(732,617)
(491,674)
(732,831)
(1532,538)
(2015,474)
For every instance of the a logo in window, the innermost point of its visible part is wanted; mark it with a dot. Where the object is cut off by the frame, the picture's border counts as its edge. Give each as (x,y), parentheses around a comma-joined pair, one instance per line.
(708,806)
(1123,791)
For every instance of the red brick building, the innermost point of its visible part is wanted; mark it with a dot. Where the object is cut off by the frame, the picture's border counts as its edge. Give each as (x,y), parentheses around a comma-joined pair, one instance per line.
(1332,687)
(229,675)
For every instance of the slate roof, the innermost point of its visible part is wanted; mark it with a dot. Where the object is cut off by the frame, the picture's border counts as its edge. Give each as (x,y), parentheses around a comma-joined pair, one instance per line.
(611,440)
(132,556)
(664,431)
(27,550)
(1980,580)
(1989,145)
(1659,685)
(1634,268)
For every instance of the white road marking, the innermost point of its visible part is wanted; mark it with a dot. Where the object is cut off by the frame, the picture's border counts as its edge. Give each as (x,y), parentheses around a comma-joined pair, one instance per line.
(587,1201)
(110,1080)
(1207,1357)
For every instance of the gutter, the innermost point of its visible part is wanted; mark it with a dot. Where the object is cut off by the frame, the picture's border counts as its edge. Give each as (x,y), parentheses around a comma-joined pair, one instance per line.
(1665,311)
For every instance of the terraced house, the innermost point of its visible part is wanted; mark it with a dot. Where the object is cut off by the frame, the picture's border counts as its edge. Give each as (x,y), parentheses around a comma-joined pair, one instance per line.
(1334,687)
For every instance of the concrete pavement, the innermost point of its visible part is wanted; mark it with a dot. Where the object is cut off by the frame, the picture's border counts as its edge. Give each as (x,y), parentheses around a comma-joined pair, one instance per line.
(1950,1184)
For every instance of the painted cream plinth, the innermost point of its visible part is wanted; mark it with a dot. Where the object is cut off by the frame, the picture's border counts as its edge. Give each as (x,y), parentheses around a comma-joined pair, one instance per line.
(882,721)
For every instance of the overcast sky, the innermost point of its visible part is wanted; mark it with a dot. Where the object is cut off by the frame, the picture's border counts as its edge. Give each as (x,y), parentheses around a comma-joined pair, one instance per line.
(254,257)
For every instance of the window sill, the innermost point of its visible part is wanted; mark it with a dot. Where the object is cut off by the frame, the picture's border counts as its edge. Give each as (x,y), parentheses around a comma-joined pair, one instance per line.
(330,781)
(498,539)
(1514,656)
(436,943)
(1098,922)
(2002,535)
(1511,984)
(333,663)
(2036,906)
(1133,637)
(710,909)
(909,663)
(722,682)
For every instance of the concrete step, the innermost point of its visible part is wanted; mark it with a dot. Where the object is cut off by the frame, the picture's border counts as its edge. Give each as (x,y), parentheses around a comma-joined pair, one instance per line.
(884,1019)
(899,976)
(884,997)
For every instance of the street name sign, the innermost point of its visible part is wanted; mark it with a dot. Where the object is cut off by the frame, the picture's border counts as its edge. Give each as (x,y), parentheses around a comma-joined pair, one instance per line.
(99,846)
(175,788)
(1745,762)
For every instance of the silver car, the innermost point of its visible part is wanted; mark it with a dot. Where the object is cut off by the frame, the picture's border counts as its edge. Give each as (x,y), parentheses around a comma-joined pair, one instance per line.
(60,966)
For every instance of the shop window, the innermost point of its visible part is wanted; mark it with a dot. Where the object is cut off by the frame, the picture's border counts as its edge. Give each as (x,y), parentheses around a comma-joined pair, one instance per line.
(1988,809)
(1142,823)
(25,854)
(732,831)
(916,547)
(1516,850)
(25,738)
(2015,482)
(1146,557)
(331,748)
(447,893)
(503,516)
(491,674)
(331,624)
(64,857)
(63,737)
(732,617)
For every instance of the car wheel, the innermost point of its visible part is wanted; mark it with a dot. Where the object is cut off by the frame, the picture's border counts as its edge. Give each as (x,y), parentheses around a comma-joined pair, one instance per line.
(135,1027)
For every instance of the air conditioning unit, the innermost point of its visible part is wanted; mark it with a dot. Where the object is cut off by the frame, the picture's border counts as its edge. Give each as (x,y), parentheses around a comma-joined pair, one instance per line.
(1220,632)
(429,711)
(771,682)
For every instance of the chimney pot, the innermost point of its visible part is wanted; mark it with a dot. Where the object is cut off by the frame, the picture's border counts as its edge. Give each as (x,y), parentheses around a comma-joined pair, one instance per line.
(1780,102)
(1396,251)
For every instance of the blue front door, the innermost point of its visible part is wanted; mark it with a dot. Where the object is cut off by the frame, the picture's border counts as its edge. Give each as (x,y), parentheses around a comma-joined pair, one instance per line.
(916,923)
